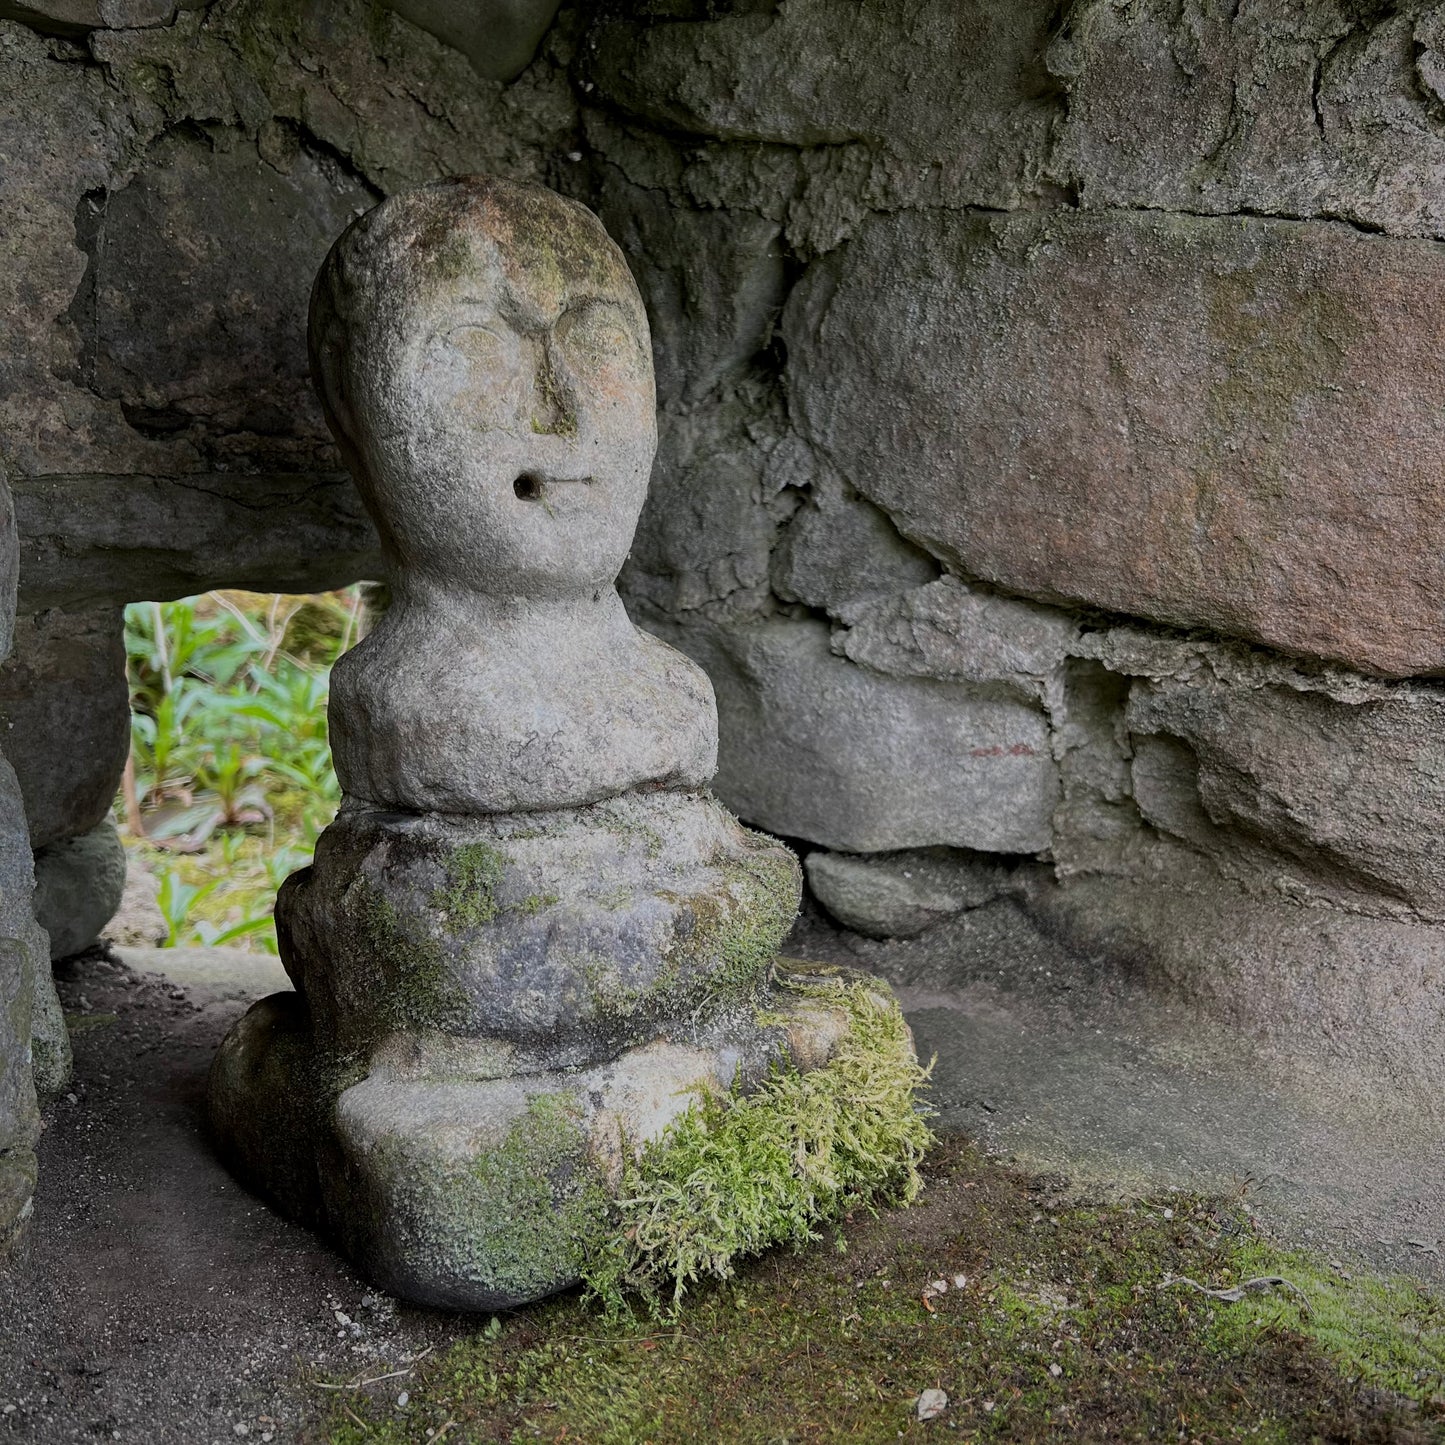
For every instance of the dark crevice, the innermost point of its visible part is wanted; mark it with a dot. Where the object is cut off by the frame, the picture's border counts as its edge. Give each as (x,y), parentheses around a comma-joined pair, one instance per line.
(331,158)
(82,311)
(154,422)
(1316,80)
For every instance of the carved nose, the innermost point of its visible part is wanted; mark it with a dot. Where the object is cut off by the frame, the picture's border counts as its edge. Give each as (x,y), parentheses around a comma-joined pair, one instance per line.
(554,399)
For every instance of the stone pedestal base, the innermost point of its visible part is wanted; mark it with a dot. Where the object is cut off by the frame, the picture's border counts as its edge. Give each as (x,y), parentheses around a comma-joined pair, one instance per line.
(466,1192)
(492,1014)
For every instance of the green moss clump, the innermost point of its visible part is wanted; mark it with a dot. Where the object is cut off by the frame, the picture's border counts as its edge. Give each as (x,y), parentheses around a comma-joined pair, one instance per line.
(740,927)
(474,873)
(1059,1331)
(734,1176)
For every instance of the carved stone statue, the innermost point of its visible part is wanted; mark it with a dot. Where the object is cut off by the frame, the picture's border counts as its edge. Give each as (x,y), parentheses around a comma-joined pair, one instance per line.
(528,941)
(484,361)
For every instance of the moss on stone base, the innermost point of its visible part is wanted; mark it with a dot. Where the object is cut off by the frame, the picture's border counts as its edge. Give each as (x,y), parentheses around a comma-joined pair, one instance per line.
(424,994)
(474,874)
(538,1199)
(737,1175)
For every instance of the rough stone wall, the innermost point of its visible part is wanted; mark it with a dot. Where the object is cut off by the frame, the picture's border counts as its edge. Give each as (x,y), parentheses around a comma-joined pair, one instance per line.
(1051,467)
(1050,419)
(23,955)
(168,193)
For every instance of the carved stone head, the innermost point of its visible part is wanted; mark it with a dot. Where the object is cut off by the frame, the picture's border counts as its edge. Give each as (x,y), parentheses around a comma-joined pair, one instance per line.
(483,357)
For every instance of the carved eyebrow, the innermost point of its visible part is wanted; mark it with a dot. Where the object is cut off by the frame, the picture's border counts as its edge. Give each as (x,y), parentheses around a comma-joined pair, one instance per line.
(583,303)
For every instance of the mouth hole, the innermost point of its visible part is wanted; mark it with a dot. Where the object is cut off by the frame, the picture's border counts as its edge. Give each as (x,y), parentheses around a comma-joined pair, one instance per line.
(528,487)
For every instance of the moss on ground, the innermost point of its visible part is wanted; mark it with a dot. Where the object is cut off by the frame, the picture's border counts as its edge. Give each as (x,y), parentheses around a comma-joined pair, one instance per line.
(1060,1331)
(1386,1333)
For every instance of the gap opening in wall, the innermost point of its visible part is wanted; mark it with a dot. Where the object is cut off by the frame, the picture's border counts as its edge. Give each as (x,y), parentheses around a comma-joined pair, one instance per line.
(229,780)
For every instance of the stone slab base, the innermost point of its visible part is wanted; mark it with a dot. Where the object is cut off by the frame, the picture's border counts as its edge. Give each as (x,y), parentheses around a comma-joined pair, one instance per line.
(469,1192)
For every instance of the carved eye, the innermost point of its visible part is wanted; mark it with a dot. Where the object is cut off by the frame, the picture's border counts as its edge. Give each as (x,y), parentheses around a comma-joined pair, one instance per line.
(485,349)
(599,332)
(481,368)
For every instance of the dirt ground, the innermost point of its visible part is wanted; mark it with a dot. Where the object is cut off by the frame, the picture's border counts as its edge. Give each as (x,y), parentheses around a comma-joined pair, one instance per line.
(154,1300)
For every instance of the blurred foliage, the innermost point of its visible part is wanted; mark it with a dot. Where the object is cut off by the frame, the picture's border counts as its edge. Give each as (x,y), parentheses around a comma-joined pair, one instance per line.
(230,778)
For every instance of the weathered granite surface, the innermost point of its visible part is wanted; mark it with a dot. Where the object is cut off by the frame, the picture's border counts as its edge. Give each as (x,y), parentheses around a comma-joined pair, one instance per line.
(900,895)
(1160,277)
(1208,423)
(79,885)
(34,1047)
(817,747)
(483,357)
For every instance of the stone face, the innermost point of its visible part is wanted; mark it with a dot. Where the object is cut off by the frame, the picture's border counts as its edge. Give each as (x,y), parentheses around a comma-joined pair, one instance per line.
(482,354)
(899,895)
(65,718)
(545,940)
(818,748)
(1349,790)
(1230,424)
(79,883)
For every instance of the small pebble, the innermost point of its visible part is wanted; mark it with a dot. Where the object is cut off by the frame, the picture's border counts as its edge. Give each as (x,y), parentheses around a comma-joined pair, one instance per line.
(931,1404)
(403,1399)
(939,1286)
(1056,1370)
(960,1281)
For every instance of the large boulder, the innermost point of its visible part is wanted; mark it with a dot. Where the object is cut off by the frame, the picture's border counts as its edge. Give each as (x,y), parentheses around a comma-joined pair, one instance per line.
(65,718)
(1347,791)
(1230,424)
